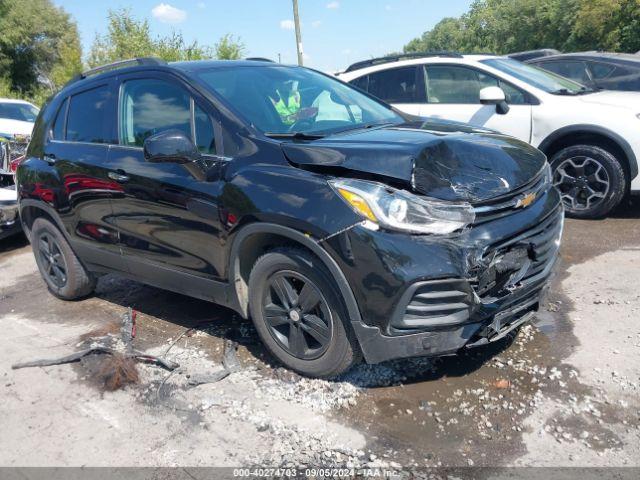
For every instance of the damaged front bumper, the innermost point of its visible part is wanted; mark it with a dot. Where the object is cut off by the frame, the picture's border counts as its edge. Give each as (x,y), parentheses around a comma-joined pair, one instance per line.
(429,297)
(9,219)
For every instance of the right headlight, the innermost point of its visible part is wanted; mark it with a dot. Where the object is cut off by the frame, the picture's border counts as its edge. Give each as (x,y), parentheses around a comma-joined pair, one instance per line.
(401,210)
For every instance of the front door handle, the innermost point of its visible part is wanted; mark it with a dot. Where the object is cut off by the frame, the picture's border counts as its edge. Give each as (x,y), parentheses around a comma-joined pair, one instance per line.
(50,158)
(119,176)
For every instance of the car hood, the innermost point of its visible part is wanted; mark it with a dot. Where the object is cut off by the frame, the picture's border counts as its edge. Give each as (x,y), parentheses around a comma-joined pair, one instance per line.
(15,127)
(613,98)
(443,160)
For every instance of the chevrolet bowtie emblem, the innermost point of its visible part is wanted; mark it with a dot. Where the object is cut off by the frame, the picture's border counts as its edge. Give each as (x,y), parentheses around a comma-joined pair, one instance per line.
(526,200)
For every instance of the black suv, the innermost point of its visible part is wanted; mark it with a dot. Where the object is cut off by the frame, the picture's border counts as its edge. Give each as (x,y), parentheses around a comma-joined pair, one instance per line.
(340,226)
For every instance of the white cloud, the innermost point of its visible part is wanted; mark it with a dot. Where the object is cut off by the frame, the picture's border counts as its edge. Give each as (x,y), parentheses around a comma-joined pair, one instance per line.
(287,24)
(168,14)
(201,5)
(316,23)
(333,5)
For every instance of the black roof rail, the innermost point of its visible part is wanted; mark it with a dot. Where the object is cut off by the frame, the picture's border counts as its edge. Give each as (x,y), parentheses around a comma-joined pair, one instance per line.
(259,59)
(400,56)
(119,64)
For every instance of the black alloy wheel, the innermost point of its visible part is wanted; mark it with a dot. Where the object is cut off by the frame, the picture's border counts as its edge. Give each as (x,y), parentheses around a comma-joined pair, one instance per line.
(297,315)
(53,262)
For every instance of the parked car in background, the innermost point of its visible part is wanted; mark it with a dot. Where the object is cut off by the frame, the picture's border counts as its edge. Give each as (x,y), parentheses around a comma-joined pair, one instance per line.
(531,54)
(598,70)
(340,226)
(9,221)
(17,118)
(590,137)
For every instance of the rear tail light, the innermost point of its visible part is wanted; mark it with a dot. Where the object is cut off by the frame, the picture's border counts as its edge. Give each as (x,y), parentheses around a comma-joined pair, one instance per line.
(13,165)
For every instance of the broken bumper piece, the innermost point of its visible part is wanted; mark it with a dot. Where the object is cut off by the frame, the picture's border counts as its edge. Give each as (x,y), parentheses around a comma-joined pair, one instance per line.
(442,316)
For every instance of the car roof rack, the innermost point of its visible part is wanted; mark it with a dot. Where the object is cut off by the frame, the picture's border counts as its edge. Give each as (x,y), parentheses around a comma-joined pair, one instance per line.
(259,59)
(400,56)
(115,65)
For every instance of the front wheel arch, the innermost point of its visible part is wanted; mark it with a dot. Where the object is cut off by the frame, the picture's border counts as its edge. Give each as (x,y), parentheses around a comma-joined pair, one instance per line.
(595,136)
(254,239)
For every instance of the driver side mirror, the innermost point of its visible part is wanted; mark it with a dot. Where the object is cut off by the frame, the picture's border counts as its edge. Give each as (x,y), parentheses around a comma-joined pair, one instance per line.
(494,96)
(170,146)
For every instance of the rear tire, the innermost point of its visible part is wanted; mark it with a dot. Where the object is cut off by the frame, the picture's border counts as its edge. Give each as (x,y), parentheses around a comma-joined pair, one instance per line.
(299,314)
(591,180)
(59,266)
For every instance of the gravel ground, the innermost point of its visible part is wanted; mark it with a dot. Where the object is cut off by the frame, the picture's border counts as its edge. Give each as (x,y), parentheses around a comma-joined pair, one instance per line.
(563,393)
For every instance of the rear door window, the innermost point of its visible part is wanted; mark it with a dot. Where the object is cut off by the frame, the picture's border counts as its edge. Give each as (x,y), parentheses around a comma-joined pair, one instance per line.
(87,117)
(396,85)
(362,83)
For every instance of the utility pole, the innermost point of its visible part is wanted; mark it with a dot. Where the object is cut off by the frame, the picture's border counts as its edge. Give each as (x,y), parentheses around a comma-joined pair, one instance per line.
(296,20)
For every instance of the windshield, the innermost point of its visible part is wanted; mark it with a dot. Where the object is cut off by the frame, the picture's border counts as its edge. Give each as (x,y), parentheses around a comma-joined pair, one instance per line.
(280,100)
(18,111)
(536,77)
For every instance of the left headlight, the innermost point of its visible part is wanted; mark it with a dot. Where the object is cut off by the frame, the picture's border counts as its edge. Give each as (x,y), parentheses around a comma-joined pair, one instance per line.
(400,210)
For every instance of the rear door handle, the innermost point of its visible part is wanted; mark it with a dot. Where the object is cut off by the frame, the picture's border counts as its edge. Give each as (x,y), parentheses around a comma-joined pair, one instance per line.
(119,176)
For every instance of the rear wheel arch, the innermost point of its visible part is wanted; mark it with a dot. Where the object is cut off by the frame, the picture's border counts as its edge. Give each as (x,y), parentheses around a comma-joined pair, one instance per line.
(252,241)
(596,136)
(30,211)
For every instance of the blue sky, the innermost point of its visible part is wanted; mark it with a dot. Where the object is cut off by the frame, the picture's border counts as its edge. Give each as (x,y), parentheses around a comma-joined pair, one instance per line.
(335,33)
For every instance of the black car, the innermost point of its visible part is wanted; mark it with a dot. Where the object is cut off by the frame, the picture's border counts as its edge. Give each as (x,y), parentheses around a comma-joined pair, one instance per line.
(598,70)
(531,54)
(340,226)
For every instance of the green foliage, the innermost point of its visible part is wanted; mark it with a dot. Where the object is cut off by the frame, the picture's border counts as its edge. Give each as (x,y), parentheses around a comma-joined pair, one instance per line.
(128,37)
(39,48)
(504,26)
(229,48)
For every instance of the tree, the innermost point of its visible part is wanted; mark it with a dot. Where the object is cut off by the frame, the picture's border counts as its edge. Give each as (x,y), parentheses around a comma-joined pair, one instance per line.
(608,25)
(39,48)
(128,37)
(229,48)
(446,35)
(504,26)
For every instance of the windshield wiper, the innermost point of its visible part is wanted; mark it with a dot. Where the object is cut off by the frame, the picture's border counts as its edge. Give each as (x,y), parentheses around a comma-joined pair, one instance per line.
(366,126)
(295,135)
(564,91)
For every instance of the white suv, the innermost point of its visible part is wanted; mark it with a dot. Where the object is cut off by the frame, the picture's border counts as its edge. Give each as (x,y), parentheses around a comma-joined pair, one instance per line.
(592,138)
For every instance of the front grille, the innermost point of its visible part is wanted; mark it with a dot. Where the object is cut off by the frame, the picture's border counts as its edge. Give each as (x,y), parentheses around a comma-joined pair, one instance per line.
(503,205)
(434,303)
(541,244)
(9,151)
(17,149)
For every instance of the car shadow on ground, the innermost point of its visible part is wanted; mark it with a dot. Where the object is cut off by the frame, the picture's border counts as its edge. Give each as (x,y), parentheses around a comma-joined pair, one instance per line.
(13,242)
(629,208)
(222,323)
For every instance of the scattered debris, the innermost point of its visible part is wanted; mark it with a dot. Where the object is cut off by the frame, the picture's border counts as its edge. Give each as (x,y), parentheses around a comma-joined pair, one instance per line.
(230,364)
(118,367)
(502,383)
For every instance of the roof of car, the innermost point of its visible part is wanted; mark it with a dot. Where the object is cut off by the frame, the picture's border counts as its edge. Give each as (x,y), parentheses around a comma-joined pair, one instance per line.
(146,63)
(413,60)
(14,100)
(625,57)
(195,65)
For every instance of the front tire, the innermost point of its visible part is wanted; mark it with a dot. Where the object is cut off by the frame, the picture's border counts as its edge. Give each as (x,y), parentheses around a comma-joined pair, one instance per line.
(59,266)
(299,315)
(590,179)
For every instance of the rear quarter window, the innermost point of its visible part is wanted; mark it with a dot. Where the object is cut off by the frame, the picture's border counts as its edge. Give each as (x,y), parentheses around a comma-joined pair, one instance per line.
(87,117)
